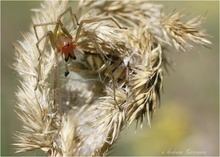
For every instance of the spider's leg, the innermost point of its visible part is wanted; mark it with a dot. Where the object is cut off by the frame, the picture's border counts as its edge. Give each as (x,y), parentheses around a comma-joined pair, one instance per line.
(57,99)
(73,16)
(42,24)
(95,20)
(66,67)
(48,35)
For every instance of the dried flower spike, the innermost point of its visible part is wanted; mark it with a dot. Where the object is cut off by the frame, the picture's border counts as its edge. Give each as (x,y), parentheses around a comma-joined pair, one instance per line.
(112,54)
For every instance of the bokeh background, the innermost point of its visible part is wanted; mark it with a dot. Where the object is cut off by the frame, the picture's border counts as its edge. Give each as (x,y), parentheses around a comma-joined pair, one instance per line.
(186,124)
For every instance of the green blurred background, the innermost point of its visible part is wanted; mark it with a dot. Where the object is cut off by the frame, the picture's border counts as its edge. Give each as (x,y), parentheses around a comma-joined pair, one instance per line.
(187,123)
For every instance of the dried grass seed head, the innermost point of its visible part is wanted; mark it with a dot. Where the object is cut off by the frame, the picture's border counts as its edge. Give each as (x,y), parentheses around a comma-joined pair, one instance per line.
(92,125)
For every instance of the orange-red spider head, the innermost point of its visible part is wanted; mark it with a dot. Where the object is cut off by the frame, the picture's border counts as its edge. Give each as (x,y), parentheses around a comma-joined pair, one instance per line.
(66,46)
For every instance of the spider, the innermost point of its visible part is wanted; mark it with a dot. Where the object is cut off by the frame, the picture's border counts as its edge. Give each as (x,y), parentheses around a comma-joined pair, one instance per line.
(61,40)
(64,43)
